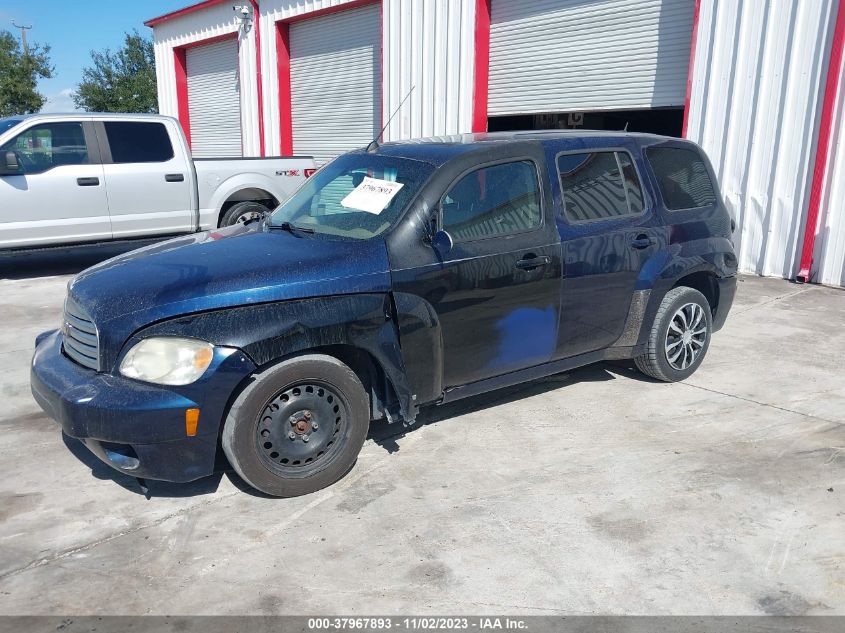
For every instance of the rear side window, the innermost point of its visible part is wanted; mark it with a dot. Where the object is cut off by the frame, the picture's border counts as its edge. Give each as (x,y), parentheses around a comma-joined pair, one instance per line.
(493,201)
(138,142)
(599,186)
(682,177)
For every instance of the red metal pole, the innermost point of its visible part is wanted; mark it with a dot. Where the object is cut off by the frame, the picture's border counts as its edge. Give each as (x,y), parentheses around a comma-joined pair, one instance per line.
(831,89)
(691,66)
(259,81)
(482,65)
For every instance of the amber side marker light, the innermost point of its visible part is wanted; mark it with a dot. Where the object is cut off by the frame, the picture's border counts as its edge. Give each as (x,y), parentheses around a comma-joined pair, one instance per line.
(202,359)
(192,418)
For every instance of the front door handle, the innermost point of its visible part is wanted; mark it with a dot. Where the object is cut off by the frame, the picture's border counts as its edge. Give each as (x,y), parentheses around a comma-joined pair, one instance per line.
(642,241)
(174,177)
(530,263)
(88,182)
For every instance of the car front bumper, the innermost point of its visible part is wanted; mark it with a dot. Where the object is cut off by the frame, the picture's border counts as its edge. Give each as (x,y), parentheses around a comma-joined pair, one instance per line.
(135,427)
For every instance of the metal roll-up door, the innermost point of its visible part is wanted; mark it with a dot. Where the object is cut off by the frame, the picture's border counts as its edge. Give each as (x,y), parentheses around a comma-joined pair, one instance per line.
(335,74)
(572,55)
(214,99)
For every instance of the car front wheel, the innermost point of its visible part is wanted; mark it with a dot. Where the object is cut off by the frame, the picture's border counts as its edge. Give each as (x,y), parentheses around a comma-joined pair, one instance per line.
(298,426)
(679,337)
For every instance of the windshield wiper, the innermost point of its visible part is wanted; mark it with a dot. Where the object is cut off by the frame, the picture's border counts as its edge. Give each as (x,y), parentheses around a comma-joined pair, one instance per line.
(292,228)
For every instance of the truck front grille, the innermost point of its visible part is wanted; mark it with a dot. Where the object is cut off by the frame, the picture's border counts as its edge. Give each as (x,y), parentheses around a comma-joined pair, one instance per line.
(79,336)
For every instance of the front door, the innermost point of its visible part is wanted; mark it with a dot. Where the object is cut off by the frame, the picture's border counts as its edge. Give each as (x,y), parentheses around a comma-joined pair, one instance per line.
(58,196)
(608,231)
(496,293)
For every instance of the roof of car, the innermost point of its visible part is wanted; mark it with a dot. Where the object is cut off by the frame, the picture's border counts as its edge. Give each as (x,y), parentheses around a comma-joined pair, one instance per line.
(80,115)
(439,149)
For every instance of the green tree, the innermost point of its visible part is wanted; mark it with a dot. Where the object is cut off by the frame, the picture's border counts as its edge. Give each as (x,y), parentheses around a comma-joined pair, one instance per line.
(19,73)
(120,81)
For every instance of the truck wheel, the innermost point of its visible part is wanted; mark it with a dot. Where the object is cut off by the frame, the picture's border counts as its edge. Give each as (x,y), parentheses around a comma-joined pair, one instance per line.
(679,337)
(298,427)
(243,212)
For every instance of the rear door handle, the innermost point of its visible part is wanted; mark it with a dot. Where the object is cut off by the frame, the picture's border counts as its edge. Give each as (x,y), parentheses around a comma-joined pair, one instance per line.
(174,177)
(529,263)
(88,182)
(642,241)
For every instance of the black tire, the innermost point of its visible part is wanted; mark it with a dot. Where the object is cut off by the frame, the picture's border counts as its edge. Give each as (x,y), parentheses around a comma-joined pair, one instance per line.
(657,361)
(337,409)
(243,211)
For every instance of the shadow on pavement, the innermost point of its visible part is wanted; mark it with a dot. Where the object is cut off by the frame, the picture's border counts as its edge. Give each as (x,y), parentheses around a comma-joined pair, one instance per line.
(162,489)
(62,261)
(383,434)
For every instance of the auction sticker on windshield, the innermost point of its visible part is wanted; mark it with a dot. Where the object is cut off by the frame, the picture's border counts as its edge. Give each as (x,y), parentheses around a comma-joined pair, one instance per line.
(372,195)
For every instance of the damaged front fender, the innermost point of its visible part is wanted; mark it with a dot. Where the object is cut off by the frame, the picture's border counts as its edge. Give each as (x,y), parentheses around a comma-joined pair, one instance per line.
(272,331)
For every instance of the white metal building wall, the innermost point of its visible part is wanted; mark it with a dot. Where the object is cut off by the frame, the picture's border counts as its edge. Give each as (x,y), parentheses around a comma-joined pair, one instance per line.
(335,76)
(757,84)
(195,27)
(558,55)
(214,99)
(428,45)
(829,258)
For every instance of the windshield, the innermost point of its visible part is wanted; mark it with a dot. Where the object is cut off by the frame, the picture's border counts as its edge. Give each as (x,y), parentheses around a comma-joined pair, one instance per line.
(356,196)
(5,124)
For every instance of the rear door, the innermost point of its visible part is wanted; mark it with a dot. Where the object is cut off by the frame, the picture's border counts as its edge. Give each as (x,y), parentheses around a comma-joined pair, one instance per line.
(608,231)
(58,196)
(148,179)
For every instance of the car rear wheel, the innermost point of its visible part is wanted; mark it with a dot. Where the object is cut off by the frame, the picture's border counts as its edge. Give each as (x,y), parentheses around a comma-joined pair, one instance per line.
(679,337)
(243,212)
(298,427)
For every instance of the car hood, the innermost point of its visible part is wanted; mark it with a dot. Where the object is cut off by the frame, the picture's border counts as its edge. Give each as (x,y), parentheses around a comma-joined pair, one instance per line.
(235,266)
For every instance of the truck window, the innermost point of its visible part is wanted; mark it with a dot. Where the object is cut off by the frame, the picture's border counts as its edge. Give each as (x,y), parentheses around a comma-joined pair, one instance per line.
(598,186)
(493,201)
(682,177)
(49,145)
(138,142)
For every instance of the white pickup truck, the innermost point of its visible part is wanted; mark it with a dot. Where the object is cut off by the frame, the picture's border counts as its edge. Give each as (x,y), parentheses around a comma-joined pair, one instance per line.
(75,178)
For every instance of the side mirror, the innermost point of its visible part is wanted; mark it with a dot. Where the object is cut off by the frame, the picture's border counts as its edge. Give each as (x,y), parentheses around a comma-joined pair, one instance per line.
(10,164)
(442,242)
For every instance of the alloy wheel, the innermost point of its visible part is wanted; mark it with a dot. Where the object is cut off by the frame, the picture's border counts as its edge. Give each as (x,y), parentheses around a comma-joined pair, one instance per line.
(248,216)
(686,336)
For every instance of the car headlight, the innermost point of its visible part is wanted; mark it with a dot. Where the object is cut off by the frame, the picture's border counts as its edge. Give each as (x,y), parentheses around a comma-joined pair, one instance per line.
(167,360)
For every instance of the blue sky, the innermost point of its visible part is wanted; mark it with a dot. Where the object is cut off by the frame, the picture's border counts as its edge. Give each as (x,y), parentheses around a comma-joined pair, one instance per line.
(75,27)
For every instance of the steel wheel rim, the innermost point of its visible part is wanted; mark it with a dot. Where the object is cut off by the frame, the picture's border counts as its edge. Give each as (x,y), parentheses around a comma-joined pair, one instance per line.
(686,336)
(301,428)
(248,216)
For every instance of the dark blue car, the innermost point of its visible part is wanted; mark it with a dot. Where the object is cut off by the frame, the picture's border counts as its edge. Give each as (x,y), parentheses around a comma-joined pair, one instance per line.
(405,275)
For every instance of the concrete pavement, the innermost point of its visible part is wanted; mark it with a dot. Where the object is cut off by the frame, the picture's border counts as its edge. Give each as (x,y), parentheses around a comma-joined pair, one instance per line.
(596,491)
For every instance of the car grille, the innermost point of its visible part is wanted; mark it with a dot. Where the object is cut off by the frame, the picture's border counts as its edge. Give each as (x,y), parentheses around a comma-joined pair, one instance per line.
(79,336)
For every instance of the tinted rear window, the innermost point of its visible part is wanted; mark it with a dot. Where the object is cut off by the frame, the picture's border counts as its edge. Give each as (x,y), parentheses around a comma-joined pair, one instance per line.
(138,142)
(599,186)
(682,177)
